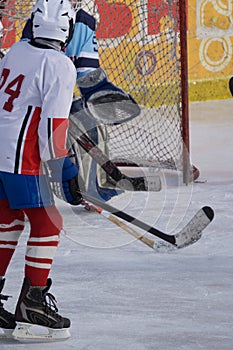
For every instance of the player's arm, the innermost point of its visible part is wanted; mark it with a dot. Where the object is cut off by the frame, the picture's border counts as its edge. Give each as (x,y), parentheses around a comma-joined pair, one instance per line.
(57,96)
(57,84)
(83,49)
(104,100)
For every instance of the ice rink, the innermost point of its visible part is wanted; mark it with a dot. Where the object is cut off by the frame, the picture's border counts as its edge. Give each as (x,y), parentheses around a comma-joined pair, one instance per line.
(121,294)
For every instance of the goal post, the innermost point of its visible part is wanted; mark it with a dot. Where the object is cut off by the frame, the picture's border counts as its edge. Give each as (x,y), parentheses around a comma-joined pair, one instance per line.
(143,49)
(183,12)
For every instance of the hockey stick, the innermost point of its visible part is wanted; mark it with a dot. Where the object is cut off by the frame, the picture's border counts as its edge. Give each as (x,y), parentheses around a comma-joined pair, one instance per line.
(188,235)
(123,181)
(149,242)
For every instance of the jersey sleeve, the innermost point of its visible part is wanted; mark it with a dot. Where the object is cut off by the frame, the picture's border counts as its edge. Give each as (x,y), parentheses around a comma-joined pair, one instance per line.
(57,94)
(83,48)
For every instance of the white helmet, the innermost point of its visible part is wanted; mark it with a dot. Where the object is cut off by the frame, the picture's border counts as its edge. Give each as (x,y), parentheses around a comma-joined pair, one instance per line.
(53,19)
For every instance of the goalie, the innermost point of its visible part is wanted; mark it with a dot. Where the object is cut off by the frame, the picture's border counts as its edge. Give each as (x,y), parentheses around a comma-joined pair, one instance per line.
(100,103)
(97,105)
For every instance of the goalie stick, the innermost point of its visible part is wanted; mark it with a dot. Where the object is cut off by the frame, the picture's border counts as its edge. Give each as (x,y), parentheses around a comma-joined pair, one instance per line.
(188,235)
(123,181)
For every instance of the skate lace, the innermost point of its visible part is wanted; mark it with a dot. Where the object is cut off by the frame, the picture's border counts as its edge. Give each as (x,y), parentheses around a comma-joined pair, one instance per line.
(3,311)
(50,304)
(4,297)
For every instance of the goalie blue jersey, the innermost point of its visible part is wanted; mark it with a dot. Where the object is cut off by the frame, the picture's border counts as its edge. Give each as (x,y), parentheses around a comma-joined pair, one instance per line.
(83,48)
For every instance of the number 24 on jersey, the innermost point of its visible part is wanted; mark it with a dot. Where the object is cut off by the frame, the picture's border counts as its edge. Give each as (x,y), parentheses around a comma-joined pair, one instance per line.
(12,88)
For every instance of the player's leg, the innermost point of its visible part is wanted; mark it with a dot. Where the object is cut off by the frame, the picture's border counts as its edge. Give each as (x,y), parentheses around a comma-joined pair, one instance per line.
(7,319)
(94,176)
(11,226)
(35,199)
(32,307)
(45,227)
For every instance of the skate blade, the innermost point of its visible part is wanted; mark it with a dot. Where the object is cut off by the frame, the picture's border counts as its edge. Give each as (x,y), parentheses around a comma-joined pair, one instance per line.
(25,332)
(6,334)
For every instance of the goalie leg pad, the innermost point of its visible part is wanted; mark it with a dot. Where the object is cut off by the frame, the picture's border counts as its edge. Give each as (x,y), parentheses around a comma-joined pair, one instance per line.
(95,178)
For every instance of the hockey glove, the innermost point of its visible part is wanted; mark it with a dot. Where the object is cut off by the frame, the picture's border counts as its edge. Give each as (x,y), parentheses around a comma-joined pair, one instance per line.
(105,101)
(65,173)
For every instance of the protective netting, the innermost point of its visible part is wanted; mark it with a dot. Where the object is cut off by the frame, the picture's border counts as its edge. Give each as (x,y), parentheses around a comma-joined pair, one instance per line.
(14,14)
(139,47)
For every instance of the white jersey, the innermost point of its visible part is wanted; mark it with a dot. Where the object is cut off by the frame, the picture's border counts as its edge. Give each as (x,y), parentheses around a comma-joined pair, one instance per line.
(36,91)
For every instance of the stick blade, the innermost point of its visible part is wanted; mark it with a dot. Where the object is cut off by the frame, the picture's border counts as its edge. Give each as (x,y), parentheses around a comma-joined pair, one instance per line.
(192,232)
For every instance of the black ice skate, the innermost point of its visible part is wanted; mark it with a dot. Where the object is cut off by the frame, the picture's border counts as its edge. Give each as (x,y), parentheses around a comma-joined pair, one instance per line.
(7,319)
(36,307)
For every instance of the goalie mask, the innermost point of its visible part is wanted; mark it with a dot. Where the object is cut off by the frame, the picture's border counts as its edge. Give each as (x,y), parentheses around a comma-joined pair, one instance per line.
(77,4)
(88,6)
(53,19)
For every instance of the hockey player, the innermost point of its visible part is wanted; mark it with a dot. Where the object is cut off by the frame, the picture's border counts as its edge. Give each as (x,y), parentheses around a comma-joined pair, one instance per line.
(36,91)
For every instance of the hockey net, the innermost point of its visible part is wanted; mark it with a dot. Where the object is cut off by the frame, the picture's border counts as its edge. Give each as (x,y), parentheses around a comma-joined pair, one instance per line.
(14,13)
(142,47)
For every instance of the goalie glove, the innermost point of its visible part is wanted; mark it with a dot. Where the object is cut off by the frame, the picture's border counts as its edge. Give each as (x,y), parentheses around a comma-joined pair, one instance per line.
(64,180)
(105,101)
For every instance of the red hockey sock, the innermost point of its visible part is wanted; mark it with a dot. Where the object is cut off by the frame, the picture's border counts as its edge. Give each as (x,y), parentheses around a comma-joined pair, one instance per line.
(11,226)
(46,225)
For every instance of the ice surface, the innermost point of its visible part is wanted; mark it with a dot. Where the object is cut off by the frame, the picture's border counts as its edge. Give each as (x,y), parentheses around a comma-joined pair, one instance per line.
(121,294)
